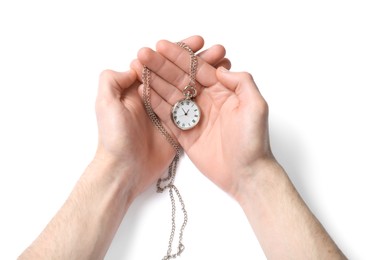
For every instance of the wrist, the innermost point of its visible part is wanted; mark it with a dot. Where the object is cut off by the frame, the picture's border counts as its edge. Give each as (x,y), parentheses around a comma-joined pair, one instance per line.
(112,172)
(280,218)
(262,177)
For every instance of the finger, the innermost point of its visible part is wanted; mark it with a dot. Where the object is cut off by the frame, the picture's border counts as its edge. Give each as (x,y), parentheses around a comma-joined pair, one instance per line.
(205,73)
(165,90)
(138,67)
(213,55)
(172,73)
(168,94)
(195,42)
(112,83)
(163,67)
(224,63)
(162,109)
(241,83)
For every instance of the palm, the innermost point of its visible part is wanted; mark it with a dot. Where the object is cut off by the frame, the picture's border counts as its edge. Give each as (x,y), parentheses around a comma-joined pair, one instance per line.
(210,139)
(144,141)
(224,141)
(125,131)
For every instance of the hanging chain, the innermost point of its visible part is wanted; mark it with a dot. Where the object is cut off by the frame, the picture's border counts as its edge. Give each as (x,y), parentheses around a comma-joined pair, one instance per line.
(193,62)
(167,182)
(153,117)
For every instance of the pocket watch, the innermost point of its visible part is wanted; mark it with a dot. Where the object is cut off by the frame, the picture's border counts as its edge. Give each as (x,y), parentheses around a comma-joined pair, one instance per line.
(186,113)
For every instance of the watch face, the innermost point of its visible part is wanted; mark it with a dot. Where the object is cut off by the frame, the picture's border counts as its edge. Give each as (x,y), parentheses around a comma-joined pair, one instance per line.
(185,114)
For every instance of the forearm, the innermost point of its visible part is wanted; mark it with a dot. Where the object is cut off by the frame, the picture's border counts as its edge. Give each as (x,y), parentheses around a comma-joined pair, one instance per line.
(85,225)
(283,224)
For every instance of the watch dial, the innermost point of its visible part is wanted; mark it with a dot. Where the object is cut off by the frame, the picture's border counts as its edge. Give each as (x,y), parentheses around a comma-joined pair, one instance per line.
(186,114)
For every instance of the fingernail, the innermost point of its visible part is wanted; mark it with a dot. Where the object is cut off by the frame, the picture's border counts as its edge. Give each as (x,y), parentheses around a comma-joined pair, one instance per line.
(223,69)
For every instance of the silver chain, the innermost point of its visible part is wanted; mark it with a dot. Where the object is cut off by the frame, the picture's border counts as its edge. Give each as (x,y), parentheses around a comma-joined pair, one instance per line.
(193,63)
(167,182)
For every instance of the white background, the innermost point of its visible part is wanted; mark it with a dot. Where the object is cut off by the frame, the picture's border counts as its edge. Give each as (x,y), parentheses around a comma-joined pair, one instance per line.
(323,67)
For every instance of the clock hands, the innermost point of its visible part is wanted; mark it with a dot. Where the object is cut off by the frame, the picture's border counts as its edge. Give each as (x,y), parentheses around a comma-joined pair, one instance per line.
(185,113)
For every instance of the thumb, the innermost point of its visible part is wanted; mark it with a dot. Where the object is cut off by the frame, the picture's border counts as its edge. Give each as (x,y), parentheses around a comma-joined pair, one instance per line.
(241,83)
(112,83)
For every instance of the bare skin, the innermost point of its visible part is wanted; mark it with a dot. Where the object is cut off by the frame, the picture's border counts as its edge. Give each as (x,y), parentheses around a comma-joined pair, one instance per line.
(85,225)
(234,132)
(233,128)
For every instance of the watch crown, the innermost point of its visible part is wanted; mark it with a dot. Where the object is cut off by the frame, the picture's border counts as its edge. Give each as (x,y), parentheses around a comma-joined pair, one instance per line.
(189,92)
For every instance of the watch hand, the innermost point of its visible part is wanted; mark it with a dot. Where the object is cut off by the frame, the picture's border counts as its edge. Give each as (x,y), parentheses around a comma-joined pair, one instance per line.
(184,111)
(187,111)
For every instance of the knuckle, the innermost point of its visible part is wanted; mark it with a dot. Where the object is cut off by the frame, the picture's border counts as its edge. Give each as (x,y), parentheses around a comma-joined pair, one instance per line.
(246,76)
(106,74)
(264,108)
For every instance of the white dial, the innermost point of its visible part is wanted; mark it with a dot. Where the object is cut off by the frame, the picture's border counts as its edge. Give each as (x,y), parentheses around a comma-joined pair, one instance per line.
(185,114)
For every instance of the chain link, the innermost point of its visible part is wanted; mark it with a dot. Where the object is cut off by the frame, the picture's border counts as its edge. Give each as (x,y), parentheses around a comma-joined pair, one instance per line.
(193,63)
(167,182)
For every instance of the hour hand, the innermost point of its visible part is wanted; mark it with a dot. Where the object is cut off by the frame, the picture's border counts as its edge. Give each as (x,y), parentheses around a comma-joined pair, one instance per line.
(184,111)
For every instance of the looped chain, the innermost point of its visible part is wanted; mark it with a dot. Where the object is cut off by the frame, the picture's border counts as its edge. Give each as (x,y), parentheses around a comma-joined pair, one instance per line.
(167,182)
